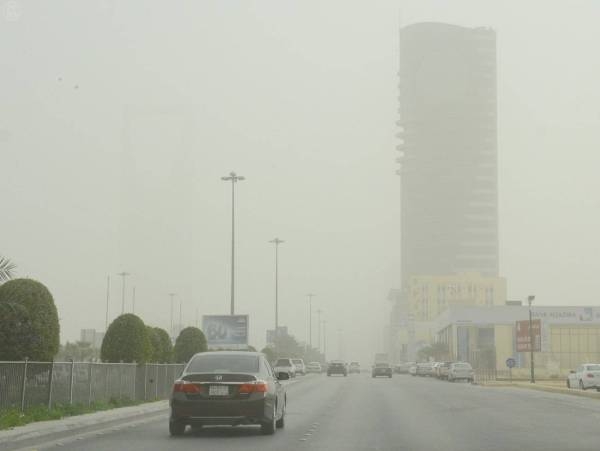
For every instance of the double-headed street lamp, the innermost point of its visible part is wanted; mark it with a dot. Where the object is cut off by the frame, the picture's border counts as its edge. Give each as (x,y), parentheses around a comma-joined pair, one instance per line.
(276,242)
(233,178)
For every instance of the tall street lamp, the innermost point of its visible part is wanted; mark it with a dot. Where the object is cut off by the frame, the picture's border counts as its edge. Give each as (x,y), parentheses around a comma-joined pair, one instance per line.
(233,178)
(325,340)
(276,242)
(531,343)
(123,275)
(172,295)
(310,296)
(319,329)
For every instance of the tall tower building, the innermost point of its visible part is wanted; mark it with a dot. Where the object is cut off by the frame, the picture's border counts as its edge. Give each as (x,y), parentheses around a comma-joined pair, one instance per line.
(448,150)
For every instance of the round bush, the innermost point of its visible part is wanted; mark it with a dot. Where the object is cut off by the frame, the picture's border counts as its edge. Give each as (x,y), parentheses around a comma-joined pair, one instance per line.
(28,316)
(190,341)
(126,340)
(160,344)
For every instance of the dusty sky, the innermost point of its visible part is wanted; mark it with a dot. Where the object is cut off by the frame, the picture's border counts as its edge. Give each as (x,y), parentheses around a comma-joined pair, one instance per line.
(118,119)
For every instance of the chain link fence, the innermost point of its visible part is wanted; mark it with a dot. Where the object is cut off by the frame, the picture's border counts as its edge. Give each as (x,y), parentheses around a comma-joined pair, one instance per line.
(27,384)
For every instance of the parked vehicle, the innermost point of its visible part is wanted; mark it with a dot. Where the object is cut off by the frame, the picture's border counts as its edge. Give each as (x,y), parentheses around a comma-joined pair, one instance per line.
(403,367)
(460,371)
(381,369)
(424,369)
(337,367)
(228,388)
(442,370)
(300,367)
(412,370)
(285,366)
(313,367)
(354,367)
(585,376)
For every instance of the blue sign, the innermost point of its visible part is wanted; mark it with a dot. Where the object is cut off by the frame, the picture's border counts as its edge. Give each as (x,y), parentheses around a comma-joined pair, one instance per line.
(225,331)
(510,362)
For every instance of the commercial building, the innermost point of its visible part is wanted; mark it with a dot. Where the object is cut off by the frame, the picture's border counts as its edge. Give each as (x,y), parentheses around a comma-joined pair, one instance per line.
(486,337)
(448,150)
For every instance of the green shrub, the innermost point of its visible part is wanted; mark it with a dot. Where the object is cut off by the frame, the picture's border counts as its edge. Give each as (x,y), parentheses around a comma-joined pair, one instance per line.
(28,321)
(190,341)
(126,340)
(160,344)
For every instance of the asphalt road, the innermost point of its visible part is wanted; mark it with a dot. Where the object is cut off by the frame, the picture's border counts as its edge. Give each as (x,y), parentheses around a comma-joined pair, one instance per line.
(360,413)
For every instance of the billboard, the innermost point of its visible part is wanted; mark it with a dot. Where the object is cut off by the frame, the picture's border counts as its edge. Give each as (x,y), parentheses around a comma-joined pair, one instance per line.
(524,338)
(225,331)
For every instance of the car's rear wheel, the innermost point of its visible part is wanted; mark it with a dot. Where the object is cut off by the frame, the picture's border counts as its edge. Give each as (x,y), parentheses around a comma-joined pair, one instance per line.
(269,425)
(176,428)
(280,424)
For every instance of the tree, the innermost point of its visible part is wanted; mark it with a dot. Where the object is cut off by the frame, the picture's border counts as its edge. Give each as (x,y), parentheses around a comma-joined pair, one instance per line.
(126,340)
(190,341)
(437,351)
(6,269)
(161,347)
(30,315)
(269,354)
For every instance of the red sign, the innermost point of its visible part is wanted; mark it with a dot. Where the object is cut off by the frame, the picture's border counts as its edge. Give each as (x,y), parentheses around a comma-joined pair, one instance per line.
(524,337)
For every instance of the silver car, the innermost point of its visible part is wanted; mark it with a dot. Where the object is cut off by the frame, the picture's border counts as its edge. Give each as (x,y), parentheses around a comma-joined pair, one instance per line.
(460,371)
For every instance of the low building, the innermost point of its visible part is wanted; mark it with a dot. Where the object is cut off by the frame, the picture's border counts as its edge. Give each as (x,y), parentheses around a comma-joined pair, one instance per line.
(486,337)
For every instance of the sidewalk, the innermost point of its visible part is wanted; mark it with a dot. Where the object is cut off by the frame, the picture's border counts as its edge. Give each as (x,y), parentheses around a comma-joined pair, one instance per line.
(78,422)
(554,386)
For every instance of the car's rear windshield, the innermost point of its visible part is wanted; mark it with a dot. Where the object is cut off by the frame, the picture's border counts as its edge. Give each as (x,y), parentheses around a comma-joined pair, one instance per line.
(462,365)
(297,361)
(381,365)
(593,367)
(282,362)
(223,364)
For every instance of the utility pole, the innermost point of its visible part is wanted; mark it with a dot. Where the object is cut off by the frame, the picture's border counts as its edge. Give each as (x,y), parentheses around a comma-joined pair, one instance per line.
(172,295)
(276,242)
(123,274)
(107,301)
(531,343)
(319,329)
(233,178)
(310,296)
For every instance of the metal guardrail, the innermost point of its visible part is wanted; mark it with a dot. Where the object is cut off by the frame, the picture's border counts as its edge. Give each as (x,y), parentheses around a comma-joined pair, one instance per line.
(26,384)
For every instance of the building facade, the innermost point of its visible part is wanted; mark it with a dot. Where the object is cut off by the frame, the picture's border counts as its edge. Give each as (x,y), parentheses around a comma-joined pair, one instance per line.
(448,150)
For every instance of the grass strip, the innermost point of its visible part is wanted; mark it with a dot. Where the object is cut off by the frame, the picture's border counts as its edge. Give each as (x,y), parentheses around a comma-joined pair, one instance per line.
(12,417)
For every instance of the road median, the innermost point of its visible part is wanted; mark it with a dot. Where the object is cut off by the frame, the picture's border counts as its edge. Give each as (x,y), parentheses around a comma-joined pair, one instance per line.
(550,387)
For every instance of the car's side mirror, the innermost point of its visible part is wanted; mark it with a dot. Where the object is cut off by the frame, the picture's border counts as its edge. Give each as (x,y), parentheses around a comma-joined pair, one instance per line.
(283,376)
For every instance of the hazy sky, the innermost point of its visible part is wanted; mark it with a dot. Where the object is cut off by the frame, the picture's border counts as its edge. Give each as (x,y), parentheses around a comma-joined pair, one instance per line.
(117,120)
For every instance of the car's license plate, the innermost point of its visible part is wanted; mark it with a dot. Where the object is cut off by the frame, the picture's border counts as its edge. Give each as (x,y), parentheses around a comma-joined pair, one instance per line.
(218,390)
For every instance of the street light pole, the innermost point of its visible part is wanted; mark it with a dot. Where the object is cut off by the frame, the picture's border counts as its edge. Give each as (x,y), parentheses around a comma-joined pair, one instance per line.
(172,295)
(319,329)
(233,178)
(531,343)
(133,301)
(107,301)
(325,340)
(180,315)
(277,242)
(310,296)
(123,274)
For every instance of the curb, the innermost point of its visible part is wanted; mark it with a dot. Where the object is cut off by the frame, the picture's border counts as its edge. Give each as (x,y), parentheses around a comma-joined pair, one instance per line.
(564,391)
(39,429)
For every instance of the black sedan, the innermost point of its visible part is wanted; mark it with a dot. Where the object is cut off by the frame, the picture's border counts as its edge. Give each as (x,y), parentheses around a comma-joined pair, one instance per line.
(228,388)
(337,367)
(381,369)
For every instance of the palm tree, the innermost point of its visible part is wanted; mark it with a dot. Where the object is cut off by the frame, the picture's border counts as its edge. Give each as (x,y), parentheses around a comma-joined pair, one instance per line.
(6,269)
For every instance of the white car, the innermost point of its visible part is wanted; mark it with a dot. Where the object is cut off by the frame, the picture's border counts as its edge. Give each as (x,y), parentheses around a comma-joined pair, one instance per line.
(460,370)
(285,366)
(585,376)
(314,367)
(300,367)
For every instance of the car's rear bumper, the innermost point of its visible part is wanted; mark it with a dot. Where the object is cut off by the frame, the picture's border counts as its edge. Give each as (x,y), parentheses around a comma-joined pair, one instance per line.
(219,412)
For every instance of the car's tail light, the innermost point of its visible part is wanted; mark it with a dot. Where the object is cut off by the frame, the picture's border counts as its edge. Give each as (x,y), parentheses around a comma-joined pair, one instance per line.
(253,387)
(181,386)
(590,375)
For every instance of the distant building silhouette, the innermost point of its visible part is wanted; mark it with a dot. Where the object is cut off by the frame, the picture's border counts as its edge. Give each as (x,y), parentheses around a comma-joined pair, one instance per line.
(448,152)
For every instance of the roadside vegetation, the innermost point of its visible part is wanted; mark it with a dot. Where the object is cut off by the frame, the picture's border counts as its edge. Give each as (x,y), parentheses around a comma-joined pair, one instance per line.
(11,418)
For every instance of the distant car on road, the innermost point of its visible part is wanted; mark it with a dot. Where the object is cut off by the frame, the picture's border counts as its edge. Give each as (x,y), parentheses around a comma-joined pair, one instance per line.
(313,367)
(228,388)
(337,367)
(442,370)
(285,366)
(412,369)
(585,376)
(424,369)
(354,367)
(300,367)
(460,371)
(381,369)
